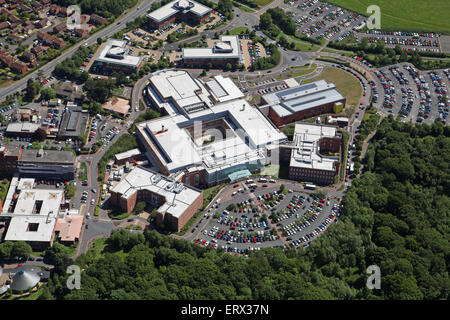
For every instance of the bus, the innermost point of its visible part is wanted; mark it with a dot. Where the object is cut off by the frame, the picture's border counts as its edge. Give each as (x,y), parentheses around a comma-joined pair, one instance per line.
(310,186)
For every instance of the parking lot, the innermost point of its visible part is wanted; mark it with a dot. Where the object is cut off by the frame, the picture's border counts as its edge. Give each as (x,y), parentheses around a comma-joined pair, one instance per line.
(320,20)
(252,51)
(255,214)
(413,95)
(408,41)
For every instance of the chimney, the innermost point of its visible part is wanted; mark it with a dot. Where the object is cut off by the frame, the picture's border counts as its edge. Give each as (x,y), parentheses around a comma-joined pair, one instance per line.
(162,128)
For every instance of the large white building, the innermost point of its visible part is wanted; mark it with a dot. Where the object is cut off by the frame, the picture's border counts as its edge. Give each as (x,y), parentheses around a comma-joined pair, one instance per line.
(33,212)
(116,57)
(178,10)
(210,134)
(227,50)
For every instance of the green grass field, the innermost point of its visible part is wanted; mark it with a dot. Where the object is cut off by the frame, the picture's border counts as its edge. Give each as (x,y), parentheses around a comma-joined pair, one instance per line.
(238,30)
(349,86)
(406,15)
(246,9)
(263,2)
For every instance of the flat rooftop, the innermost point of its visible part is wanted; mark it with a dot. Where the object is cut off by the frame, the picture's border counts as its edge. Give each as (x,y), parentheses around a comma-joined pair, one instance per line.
(178,196)
(292,100)
(249,132)
(47,156)
(177,91)
(114,52)
(127,154)
(176,6)
(70,227)
(306,153)
(22,127)
(223,89)
(35,213)
(227,48)
(31,228)
(73,122)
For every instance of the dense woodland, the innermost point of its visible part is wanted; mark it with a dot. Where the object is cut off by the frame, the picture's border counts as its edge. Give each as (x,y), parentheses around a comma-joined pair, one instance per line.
(396,215)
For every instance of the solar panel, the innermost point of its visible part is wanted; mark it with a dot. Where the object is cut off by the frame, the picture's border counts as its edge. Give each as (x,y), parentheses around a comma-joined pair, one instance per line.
(297,89)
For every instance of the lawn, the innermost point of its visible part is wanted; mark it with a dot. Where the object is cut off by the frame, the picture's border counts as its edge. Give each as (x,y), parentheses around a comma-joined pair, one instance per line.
(406,15)
(83,171)
(272,170)
(4,186)
(96,247)
(238,30)
(346,84)
(118,91)
(245,8)
(341,52)
(301,72)
(263,2)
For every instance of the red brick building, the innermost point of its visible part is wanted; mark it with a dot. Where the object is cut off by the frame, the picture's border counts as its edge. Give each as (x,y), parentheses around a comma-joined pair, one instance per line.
(303,102)
(174,202)
(315,155)
(97,20)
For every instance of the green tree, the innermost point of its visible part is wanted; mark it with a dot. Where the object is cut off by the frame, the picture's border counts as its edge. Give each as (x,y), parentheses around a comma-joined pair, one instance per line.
(140,206)
(21,249)
(47,94)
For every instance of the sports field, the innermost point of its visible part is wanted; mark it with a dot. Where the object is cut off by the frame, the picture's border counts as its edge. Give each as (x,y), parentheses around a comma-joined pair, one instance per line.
(406,15)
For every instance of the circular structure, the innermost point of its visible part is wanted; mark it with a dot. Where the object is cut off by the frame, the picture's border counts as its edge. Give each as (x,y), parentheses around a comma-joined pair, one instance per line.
(24,280)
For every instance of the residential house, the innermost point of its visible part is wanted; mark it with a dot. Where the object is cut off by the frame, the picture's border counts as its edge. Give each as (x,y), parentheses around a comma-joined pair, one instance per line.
(54,9)
(45,22)
(18,67)
(4,25)
(29,57)
(59,28)
(37,50)
(81,32)
(58,43)
(64,12)
(97,20)
(42,36)
(37,6)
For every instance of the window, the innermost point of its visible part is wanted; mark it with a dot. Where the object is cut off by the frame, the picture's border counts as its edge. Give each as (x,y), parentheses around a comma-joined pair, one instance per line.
(197,178)
(188,180)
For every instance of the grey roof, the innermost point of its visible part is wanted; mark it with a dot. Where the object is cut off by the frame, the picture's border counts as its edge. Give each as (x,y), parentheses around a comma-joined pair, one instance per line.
(176,6)
(289,101)
(4,289)
(24,280)
(73,123)
(45,156)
